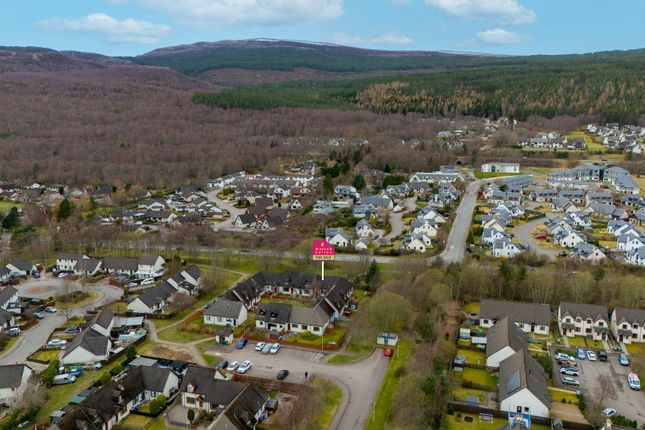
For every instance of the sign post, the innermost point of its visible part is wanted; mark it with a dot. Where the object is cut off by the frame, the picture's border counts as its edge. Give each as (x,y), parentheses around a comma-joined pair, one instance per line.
(323,251)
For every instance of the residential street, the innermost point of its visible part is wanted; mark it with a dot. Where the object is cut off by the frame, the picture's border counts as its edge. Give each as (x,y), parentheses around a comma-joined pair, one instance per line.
(524,236)
(223,204)
(396,219)
(32,339)
(456,244)
(360,381)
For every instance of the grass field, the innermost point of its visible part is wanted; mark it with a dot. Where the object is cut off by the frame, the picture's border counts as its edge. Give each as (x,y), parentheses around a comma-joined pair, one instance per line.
(210,359)
(460,393)
(344,358)
(558,395)
(383,404)
(488,175)
(475,357)
(471,308)
(137,421)
(577,341)
(479,377)
(636,348)
(46,354)
(5,206)
(333,396)
(591,145)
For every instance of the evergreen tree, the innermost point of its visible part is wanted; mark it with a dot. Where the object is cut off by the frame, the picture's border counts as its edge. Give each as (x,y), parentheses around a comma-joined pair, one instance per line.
(64,210)
(12,219)
(359,182)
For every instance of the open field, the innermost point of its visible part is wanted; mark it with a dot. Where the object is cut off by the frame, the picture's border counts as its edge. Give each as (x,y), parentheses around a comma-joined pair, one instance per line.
(475,357)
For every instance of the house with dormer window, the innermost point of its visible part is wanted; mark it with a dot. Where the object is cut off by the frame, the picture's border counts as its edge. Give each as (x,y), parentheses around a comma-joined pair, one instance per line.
(575,319)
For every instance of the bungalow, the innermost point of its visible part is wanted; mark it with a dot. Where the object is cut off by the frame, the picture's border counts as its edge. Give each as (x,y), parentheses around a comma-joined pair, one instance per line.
(416,242)
(378,202)
(628,325)
(424,226)
(154,300)
(529,317)
(523,385)
(364,230)
(361,245)
(576,319)
(225,312)
(237,405)
(543,195)
(14,381)
(505,248)
(273,316)
(562,204)
(87,347)
(503,340)
(338,237)
(588,252)
(314,320)
(21,267)
(245,220)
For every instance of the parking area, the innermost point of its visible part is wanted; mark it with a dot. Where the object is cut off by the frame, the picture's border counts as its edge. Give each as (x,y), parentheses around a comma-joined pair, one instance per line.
(606,383)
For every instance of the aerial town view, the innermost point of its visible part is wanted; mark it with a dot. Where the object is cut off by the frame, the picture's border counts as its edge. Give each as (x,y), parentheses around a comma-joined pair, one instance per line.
(322,215)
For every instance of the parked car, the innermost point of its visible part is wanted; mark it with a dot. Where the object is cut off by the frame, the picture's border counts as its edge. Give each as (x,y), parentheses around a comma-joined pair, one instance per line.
(148,281)
(75,371)
(592,356)
(93,366)
(580,353)
(571,371)
(133,284)
(232,366)
(623,360)
(62,274)
(244,367)
(275,348)
(36,275)
(72,330)
(267,348)
(282,375)
(222,365)
(13,332)
(57,343)
(561,356)
(259,346)
(63,379)
(38,315)
(388,352)
(633,381)
(602,356)
(51,309)
(242,343)
(609,412)
(567,380)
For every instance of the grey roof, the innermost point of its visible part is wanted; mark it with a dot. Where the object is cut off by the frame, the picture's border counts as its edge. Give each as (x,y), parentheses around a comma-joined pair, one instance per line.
(11,375)
(103,318)
(504,333)
(148,259)
(518,312)
(241,413)
(154,378)
(224,308)
(630,315)
(91,341)
(22,264)
(5,317)
(520,371)
(246,218)
(157,294)
(68,256)
(214,391)
(316,316)
(87,265)
(6,294)
(278,313)
(193,271)
(583,310)
(120,263)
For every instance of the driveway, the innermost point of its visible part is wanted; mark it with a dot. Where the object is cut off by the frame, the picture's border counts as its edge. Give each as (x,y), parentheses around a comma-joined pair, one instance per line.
(32,339)
(359,381)
(223,204)
(397,217)
(524,236)
(606,383)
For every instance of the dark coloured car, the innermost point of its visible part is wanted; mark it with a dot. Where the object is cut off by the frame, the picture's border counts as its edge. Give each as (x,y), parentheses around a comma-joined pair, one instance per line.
(38,315)
(242,343)
(72,330)
(283,374)
(602,356)
(222,365)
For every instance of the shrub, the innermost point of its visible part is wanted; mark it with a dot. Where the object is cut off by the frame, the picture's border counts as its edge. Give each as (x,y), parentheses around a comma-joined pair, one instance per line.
(116,370)
(157,405)
(105,378)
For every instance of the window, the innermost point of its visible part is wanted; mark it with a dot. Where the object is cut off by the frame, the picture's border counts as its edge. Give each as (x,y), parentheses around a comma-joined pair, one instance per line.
(485,321)
(625,326)
(316,329)
(588,330)
(601,323)
(589,321)
(635,326)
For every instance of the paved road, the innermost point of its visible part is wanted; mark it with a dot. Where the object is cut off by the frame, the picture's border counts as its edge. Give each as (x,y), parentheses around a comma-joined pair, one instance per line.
(524,236)
(396,219)
(455,249)
(223,204)
(32,339)
(359,381)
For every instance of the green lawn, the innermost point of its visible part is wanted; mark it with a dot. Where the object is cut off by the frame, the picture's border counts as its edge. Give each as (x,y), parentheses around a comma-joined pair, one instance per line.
(488,175)
(137,421)
(591,145)
(636,348)
(344,358)
(45,354)
(6,206)
(333,396)
(557,396)
(460,393)
(474,357)
(173,334)
(383,404)
(480,377)
(577,341)
(595,344)
(456,422)
(316,341)
(210,359)
(471,308)
(159,424)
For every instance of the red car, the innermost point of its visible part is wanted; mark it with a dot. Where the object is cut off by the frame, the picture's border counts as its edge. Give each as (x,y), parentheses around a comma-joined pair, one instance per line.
(388,352)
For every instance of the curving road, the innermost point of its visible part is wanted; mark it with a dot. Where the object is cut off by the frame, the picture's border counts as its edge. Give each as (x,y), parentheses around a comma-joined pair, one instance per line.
(32,339)
(524,236)
(227,206)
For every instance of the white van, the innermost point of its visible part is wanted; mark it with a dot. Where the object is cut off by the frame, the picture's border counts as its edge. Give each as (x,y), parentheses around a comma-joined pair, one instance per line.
(63,379)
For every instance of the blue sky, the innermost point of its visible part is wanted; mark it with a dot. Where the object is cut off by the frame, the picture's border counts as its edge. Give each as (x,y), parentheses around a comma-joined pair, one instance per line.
(131,27)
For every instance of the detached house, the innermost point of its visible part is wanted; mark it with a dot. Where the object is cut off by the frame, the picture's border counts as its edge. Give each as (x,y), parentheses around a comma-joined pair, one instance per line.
(523,385)
(338,237)
(14,381)
(188,281)
(576,319)
(529,317)
(424,226)
(153,300)
(364,230)
(416,242)
(226,313)
(628,325)
(636,256)
(505,248)
(87,347)
(21,267)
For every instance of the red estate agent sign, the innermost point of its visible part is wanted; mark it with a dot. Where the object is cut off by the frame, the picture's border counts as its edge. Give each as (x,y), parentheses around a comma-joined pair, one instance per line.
(322,251)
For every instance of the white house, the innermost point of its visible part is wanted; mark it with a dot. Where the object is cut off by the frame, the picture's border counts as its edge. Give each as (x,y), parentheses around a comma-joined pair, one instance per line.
(501,168)
(523,385)
(14,381)
(87,347)
(569,239)
(636,256)
(628,325)
(338,237)
(490,235)
(150,266)
(576,319)
(21,267)
(425,227)
(361,245)
(154,300)
(628,242)
(529,317)
(364,230)
(416,242)
(503,340)
(505,248)
(226,313)
(588,252)
(188,281)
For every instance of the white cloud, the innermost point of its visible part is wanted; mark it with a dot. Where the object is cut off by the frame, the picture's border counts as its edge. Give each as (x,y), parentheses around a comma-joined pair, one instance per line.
(211,13)
(115,31)
(499,36)
(388,38)
(506,11)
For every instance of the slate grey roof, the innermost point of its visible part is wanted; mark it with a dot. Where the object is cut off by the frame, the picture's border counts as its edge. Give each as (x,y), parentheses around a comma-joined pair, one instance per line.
(120,264)
(241,413)
(246,218)
(224,308)
(22,264)
(148,259)
(583,310)
(11,375)
(517,312)
(504,333)
(5,317)
(630,315)
(6,294)
(90,340)
(214,391)
(316,316)
(157,294)
(68,256)
(278,313)
(193,271)
(520,371)
(103,318)
(87,264)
